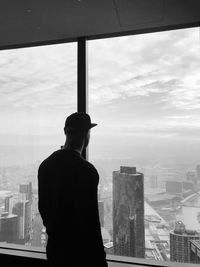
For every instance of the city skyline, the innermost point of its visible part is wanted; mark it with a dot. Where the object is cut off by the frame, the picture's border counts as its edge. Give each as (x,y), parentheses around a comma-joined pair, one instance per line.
(155,211)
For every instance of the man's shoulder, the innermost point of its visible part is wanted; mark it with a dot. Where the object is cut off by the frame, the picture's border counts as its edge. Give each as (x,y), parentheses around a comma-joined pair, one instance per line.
(63,157)
(90,168)
(90,165)
(50,159)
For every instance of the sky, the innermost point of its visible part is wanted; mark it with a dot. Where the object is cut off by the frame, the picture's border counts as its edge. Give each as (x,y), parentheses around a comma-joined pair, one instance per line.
(144,93)
(38,89)
(156,76)
(148,94)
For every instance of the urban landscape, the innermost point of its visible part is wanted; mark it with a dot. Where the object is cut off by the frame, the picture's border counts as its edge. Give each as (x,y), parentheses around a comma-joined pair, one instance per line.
(141,215)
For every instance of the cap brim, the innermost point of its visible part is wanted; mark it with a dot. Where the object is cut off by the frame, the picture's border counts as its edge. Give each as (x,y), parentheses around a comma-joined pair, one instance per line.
(93,125)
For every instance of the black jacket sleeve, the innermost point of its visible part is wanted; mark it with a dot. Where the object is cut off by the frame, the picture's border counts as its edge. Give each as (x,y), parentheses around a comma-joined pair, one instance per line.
(43,191)
(93,215)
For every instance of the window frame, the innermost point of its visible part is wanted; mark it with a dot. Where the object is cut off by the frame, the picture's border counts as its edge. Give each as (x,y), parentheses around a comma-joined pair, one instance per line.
(82,106)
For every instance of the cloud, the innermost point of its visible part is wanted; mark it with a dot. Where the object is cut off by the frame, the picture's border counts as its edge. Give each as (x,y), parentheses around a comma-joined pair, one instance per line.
(165,63)
(179,117)
(155,130)
(36,77)
(143,79)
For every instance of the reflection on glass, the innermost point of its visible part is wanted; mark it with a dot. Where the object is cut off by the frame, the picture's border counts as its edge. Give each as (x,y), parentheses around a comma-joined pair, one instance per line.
(144,95)
(37,93)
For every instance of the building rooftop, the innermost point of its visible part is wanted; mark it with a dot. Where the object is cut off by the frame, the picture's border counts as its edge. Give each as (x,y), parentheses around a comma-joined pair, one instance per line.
(149,211)
(187,232)
(8,216)
(161,197)
(152,218)
(193,199)
(154,191)
(4,193)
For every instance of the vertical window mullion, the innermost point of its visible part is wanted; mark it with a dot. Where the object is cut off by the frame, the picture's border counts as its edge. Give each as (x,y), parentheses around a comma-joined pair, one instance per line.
(82,79)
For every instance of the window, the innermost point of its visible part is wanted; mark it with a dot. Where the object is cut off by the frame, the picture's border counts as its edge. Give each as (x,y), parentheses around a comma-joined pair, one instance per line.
(37,92)
(144,94)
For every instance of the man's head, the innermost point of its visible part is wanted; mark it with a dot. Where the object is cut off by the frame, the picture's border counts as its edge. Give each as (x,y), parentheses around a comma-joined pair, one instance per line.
(77,129)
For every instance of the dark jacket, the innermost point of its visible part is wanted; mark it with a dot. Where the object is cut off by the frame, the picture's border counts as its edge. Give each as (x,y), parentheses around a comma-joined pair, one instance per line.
(68,204)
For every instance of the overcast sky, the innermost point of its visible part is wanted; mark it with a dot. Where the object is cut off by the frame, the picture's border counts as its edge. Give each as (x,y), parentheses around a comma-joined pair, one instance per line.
(151,81)
(144,87)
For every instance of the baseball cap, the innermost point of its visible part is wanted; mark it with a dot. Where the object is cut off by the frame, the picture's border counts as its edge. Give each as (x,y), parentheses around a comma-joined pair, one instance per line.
(78,121)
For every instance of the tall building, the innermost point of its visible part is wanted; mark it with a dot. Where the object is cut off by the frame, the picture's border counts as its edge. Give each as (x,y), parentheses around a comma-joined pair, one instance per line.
(26,191)
(8,204)
(153,182)
(26,196)
(8,228)
(128,212)
(173,187)
(198,171)
(22,210)
(101,212)
(195,251)
(180,242)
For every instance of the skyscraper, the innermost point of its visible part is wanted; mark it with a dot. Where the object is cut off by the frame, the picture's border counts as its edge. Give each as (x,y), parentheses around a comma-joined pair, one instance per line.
(26,191)
(128,212)
(198,171)
(8,228)
(101,212)
(8,204)
(180,243)
(153,182)
(22,209)
(195,251)
(26,196)
(173,187)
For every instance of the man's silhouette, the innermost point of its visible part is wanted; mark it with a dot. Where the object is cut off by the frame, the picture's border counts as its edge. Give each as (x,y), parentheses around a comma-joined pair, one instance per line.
(68,204)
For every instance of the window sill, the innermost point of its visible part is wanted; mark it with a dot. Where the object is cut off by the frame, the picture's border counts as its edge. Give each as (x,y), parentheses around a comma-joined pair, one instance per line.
(128,261)
(22,251)
(114,261)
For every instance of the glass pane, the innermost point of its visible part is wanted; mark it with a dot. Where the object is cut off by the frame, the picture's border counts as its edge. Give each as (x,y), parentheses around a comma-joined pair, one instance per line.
(37,93)
(144,94)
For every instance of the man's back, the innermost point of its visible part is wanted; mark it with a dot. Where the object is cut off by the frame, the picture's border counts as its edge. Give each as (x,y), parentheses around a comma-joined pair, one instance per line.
(69,208)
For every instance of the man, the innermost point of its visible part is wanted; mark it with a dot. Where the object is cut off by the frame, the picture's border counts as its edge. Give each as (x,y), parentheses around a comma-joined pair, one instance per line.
(68,204)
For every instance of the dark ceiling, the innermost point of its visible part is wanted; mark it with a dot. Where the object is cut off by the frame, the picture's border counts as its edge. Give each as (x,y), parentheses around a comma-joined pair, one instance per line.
(32,22)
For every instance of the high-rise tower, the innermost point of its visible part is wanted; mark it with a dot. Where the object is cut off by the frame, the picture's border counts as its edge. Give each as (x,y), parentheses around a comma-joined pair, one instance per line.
(8,228)
(128,212)
(101,212)
(198,171)
(22,210)
(25,191)
(180,242)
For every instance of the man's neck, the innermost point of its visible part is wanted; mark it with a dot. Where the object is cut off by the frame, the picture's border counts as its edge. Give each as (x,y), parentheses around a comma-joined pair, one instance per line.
(67,146)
